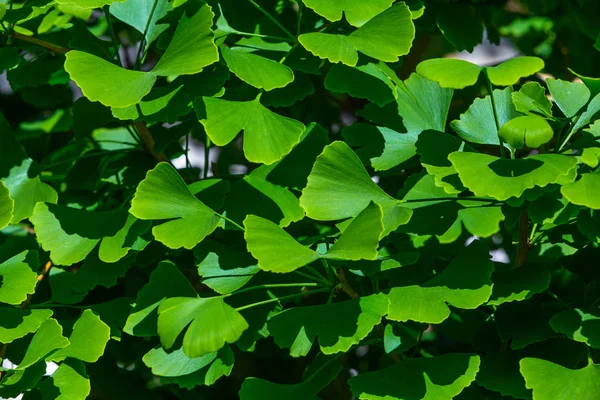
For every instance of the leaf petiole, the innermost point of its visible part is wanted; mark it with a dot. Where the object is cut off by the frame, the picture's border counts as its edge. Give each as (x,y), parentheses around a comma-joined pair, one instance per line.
(273,19)
(291,296)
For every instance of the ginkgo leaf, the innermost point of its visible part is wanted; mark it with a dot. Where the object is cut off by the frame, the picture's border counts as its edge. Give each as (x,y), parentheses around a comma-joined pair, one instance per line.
(114,248)
(465,283)
(136,13)
(18,323)
(47,339)
(163,195)
(509,72)
(531,99)
(356,12)
(278,251)
(88,339)
(221,366)
(582,326)
(549,380)
(85,4)
(367,81)
(385,37)
(423,105)
(458,74)
(17,278)
(70,380)
(478,125)
(212,323)
(7,206)
(267,136)
(440,378)
(258,71)
(175,363)
(259,389)
(501,179)
(336,326)
(165,281)
(27,191)
(103,81)
(192,47)
(70,234)
(526,131)
(339,187)
(518,284)
(584,192)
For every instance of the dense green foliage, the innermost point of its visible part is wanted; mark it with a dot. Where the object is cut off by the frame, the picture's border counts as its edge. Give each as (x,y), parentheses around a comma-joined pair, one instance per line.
(352,257)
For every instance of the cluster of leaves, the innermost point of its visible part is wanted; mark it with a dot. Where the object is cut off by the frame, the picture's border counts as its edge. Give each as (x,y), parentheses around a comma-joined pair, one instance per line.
(354,258)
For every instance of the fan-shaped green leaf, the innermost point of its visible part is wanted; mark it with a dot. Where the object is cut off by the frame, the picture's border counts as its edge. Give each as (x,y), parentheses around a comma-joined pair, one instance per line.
(70,234)
(212,323)
(339,187)
(569,96)
(423,105)
(579,325)
(465,283)
(526,131)
(267,136)
(175,363)
(106,82)
(220,366)
(531,99)
(259,389)
(385,37)
(114,248)
(364,81)
(501,179)
(47,339)
(26,191)
(18,279)
(338,326)
(18,323)
(192,47)
(277,251)
(164,195)
(551,381)
(437,378)
(478,124)
(165,281)
(260,72)
(509,72)
(450,73)
(584,192)
(88,339)
(136,13)
(7,206)
(518,284)
(69,380)
(357,12)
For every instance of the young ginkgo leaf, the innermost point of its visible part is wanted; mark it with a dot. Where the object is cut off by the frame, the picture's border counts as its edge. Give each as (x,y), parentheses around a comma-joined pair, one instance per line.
(551,381)
(277,251)
(478,124)
(7,206)
(258,71)
(440,378)
(531,99)
(337,326)
(584,192)
(88,339)
(17,279)
(527,131)
(192,47)
(357,12)
(163,195)
(212,323)
(339,187)
(569,96)
(501,179)
(386,37)
(423,105)
(267,136)
(458,74)
(103,81)
(465,283)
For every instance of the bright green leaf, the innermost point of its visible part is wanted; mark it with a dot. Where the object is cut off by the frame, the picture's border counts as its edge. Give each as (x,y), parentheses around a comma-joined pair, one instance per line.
(7,206)
(136,13)
(356,12)
(88,3)
(584,192)
(18,323)
(509,72)
(260,72)
(531,99)
(18,279)
(47,339)
(526,131)
(569,96)
(88,339)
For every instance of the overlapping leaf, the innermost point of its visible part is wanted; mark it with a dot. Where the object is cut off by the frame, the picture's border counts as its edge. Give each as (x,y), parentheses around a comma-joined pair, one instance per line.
(548,379)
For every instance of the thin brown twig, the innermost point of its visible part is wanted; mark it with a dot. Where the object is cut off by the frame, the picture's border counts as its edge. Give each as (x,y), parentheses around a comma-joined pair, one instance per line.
(50,46)
(149,142)
(344,286)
